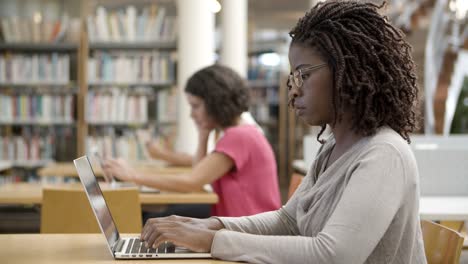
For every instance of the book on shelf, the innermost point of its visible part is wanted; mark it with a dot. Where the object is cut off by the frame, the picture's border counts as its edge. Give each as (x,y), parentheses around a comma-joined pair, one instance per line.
(26,147)
(32,146)
(166,104)
(131,67)
(34,68)
(36,108)
(115,105)
(8,178)
(15,176)
(151,23)
(27,30)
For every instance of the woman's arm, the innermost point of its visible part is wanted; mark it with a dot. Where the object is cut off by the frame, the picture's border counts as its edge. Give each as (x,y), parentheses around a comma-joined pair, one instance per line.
(203,136)
(269,223)
(174,158)
(156,151)
(212,167)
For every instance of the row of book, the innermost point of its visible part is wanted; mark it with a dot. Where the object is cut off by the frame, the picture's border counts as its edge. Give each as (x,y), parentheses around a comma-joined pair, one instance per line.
(31,144)
(8,178)
(130,25)
(39,30)
(116,106)
(166,104)
(111,145)
(34,68)
(31,147)
(36,108)
(32,177)
(125,67)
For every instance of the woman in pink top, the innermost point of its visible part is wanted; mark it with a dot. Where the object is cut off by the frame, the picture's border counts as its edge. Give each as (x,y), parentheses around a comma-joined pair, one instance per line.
(242,168)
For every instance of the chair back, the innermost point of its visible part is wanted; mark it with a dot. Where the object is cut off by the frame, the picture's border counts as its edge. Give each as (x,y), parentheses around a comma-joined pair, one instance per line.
(67,210)
(441,244)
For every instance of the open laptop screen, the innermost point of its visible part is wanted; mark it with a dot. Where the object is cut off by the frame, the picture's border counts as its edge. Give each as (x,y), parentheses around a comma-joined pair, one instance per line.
(96,199)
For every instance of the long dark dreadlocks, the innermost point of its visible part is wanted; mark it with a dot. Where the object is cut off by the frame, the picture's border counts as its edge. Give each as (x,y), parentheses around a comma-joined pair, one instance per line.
(373,71)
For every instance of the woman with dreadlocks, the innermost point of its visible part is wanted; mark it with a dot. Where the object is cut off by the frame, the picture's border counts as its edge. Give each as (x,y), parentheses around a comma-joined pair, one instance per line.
(351,70)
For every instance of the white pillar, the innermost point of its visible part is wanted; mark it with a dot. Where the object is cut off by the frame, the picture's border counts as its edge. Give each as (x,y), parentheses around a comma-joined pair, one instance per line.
(234,35)
(312,3)
(195,50)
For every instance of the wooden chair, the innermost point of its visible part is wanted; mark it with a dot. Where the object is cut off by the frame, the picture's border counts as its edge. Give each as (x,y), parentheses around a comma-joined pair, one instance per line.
(66,210)
(294,182)
(458,226)
(442,244)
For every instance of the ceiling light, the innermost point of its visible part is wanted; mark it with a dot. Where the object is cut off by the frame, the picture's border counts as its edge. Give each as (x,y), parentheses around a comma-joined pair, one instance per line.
(215,6)
(37,17)
(270,59)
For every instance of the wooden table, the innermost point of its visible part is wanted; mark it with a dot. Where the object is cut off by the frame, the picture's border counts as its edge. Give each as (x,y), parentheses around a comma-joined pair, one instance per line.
(67,169)
(68,248)
(31,193)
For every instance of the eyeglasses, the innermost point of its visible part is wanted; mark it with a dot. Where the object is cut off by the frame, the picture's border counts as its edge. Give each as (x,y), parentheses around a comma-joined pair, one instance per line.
(297,78)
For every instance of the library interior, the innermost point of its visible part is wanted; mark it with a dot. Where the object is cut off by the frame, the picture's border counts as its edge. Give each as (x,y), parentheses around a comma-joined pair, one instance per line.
(210,110)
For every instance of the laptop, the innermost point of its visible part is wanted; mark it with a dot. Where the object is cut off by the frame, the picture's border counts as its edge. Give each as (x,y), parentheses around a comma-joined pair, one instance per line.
(122,248)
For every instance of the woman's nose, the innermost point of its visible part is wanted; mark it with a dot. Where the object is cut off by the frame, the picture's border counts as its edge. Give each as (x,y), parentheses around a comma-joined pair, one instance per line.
(293,91)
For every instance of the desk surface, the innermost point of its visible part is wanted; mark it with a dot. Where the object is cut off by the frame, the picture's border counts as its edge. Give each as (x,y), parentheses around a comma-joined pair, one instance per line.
(68,169)
(68,248)
(31,193)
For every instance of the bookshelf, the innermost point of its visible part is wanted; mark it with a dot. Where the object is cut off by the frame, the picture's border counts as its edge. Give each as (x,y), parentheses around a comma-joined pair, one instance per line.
(38,87)
(144,44)
(128,76)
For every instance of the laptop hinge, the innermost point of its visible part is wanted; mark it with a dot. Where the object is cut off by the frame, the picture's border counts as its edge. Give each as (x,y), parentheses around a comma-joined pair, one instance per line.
(117,246)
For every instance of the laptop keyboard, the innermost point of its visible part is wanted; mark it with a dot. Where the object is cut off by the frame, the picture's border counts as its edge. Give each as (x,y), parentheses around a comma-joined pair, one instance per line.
(137,246)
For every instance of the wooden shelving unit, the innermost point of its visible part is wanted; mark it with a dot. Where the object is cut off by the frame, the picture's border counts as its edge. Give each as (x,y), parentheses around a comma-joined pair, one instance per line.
(149,45)
(39,47)
(88,85)
(26,90)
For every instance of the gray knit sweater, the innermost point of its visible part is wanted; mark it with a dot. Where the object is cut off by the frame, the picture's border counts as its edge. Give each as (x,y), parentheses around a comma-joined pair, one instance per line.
(361,209)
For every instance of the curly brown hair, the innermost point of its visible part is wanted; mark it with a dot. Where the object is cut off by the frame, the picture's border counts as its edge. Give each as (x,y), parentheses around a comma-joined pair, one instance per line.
(223,91)
(373,70)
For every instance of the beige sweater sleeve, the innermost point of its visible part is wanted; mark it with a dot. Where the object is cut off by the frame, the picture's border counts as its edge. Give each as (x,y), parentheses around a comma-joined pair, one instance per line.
(269,223)
(368,205)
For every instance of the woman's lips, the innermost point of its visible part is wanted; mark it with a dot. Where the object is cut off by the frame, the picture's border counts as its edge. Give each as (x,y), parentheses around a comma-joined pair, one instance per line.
(300,110)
